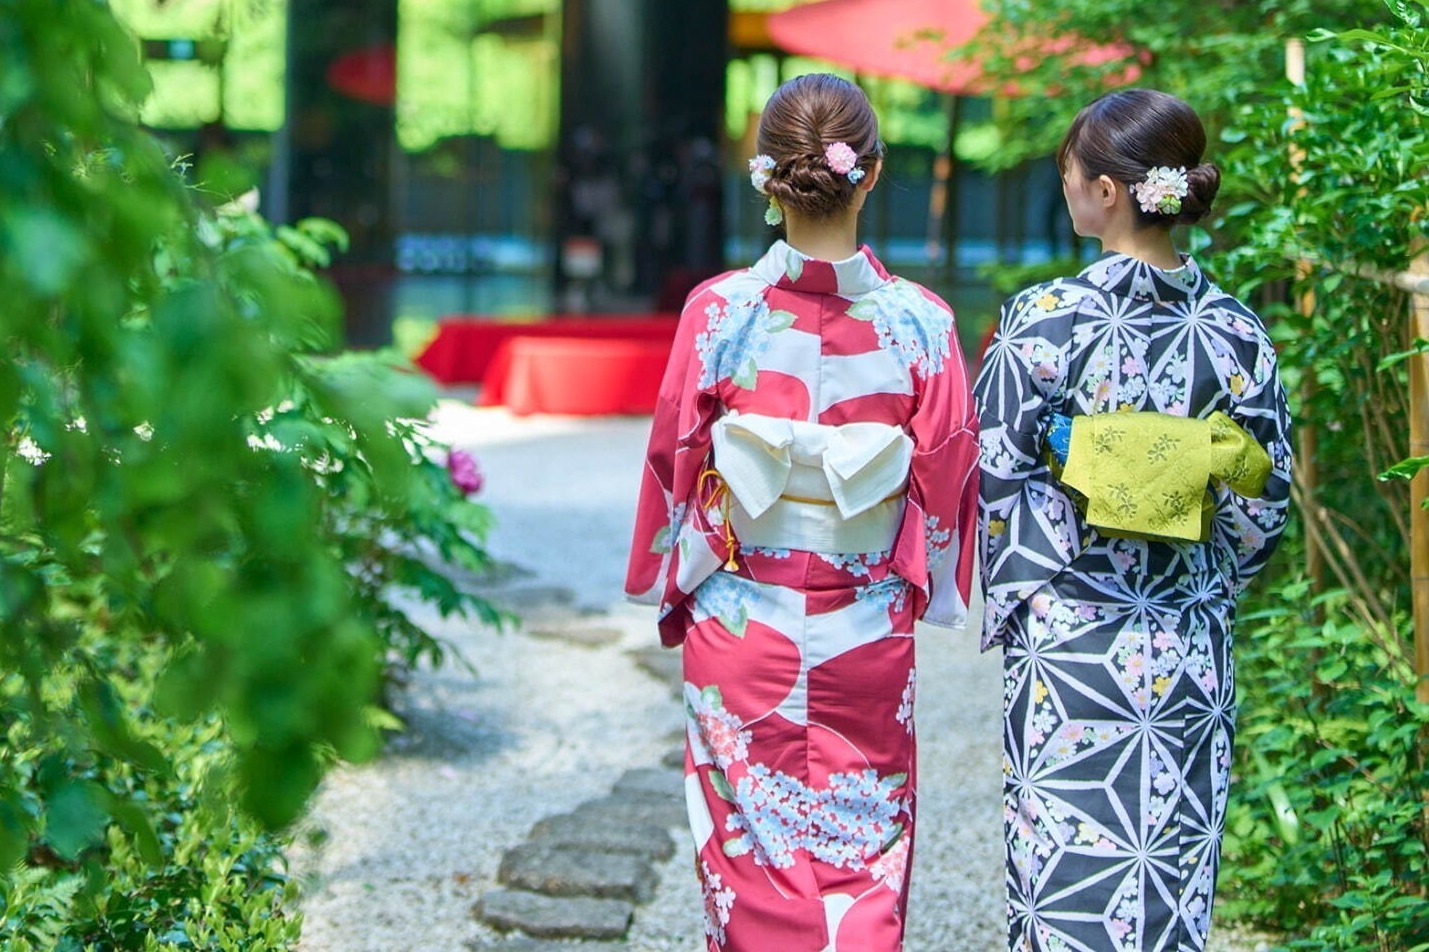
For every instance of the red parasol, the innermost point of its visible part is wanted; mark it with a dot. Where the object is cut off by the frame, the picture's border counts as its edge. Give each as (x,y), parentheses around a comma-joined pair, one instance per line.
(911,39)
(904,39)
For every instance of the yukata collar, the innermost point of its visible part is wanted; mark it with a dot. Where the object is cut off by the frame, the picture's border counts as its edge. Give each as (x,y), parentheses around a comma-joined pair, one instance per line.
(1122,274)
(791,270)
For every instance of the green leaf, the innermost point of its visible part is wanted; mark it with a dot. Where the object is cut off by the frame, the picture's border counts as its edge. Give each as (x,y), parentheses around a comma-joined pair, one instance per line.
(381,719)
(738,624)
(1405,469)
(720,784)
(777,321)
(74,818)
(737,847)
(45,248)
(1420,346)
(747,375)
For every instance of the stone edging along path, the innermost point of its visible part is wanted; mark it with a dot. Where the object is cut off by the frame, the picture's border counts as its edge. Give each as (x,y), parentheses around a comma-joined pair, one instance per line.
(580,875)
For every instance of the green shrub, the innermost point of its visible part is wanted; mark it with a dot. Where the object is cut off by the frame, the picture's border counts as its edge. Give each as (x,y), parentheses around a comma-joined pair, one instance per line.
(1327,828)
(204,512)
(1328,833)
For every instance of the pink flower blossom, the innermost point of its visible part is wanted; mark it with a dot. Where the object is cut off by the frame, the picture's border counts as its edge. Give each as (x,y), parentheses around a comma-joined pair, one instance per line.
(1162,190)
(892,865)
(840,157)
(465,474)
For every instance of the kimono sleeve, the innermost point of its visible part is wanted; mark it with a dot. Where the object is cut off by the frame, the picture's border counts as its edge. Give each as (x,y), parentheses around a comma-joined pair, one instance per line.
(935,549)
(660,507)
(1246,531)
(1022,374)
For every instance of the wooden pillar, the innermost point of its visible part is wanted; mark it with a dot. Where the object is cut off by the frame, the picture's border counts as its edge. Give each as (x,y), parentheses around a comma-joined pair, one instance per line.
(1307,434)
(1419,486)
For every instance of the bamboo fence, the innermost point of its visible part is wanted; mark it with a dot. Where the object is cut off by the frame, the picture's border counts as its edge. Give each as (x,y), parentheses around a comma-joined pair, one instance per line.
(1414,281)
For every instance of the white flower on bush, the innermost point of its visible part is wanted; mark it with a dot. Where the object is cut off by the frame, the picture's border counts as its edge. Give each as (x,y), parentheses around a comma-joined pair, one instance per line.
(30,451)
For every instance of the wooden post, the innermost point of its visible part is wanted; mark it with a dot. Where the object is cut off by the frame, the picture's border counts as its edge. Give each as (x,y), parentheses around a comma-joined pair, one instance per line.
(1306,432)
(1419,486)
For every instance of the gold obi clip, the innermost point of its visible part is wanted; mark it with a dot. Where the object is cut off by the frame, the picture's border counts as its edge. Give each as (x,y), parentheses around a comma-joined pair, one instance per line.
(1147,475)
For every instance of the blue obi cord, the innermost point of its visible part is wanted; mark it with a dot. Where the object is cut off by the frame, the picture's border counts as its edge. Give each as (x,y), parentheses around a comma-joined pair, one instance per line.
(1059,438)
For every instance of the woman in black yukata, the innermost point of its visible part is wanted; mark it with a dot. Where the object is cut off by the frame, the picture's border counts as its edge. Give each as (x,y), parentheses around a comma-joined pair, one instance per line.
(1135,474)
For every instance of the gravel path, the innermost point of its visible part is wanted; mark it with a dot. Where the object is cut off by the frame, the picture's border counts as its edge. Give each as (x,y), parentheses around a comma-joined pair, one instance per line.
(394,853)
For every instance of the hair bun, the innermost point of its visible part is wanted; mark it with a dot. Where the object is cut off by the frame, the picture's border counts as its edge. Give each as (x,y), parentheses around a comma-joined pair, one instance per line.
(801,119)
(806,183)
(1202,183)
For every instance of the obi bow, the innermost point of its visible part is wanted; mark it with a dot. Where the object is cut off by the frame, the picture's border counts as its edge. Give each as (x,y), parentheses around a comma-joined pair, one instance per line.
(1147,474)
(855,466)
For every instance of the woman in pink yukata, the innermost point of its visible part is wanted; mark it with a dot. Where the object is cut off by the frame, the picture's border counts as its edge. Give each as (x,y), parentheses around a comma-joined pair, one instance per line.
(809,493)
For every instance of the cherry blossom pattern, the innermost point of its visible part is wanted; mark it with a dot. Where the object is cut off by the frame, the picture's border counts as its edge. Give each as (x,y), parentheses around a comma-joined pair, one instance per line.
(904,714)
(723,735)
(719,901)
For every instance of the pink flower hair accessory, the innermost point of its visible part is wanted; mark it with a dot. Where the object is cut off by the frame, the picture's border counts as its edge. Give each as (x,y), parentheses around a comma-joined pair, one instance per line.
(1162,190)
(843,160)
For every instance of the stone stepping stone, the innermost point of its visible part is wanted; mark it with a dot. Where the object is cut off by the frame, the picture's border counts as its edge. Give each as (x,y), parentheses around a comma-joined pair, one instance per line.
(555,917)
(554,871)
(525,944)
(569,831)
(634,808)
(583,636)
(652,782)
(664,664)
(532,945)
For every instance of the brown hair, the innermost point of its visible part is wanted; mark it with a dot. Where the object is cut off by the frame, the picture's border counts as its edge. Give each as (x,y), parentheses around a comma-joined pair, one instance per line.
(1125,134)
(805,115)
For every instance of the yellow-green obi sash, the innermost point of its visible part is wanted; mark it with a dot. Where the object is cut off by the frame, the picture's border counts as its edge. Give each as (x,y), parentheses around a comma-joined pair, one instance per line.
(1148,475)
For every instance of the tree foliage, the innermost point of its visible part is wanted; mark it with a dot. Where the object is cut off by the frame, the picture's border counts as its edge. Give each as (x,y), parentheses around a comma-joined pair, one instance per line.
(203,511)
(1322,181)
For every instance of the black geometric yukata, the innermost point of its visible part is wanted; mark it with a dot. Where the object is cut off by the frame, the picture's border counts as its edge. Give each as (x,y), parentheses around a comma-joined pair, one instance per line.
(1119,684)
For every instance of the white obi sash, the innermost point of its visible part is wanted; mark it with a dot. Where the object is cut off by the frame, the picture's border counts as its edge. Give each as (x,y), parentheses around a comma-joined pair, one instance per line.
(811,486)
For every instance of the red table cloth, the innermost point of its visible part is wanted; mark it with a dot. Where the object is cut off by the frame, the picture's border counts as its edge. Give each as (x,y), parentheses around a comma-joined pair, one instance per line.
(464,347)
(575,376)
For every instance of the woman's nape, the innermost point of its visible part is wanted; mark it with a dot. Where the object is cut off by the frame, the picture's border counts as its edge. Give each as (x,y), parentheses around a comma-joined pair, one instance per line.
(1104,209)
(834,237)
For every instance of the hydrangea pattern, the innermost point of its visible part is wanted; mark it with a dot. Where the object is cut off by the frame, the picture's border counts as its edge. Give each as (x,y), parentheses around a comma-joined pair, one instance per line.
(802,809)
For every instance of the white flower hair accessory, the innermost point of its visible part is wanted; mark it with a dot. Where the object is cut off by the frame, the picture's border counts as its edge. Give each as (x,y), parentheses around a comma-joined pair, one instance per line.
(761,167)
(843,160)
(1162,190)
(773,215)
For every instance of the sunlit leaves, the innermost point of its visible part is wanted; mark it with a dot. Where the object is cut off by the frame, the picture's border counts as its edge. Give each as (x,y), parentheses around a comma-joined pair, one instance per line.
(203,513)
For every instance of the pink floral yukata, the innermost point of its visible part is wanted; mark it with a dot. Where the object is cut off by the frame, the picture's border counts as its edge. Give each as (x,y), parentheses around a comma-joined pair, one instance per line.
(799,663)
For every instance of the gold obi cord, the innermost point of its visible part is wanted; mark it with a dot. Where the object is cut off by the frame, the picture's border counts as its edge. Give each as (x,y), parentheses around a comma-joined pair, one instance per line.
(1146,474)
(707,498)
